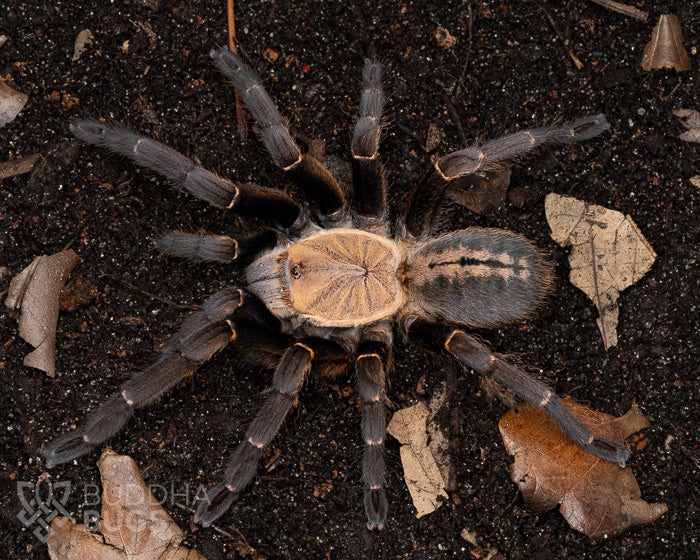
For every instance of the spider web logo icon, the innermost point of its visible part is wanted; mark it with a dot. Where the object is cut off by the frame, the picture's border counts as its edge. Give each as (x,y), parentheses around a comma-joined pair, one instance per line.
(40,506)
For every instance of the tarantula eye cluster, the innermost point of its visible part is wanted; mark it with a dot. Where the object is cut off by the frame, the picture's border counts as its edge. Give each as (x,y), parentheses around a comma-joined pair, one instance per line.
(328,280)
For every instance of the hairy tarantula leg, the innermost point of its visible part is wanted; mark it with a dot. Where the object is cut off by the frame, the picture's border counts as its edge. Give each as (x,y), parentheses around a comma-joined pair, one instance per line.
(246,200)
(369,183)
(431,189)
(205,333)
(371,385)
(306,171)
(287,381)
(218,248)
(477,356)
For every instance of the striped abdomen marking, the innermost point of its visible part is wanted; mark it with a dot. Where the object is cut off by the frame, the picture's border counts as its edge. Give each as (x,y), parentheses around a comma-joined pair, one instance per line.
(477,277)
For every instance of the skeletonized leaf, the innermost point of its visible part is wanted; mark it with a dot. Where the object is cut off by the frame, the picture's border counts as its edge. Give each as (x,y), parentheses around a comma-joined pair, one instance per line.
(423,478)
(35,293)
(596,497)
(133,524)
(665,50)
(608,254)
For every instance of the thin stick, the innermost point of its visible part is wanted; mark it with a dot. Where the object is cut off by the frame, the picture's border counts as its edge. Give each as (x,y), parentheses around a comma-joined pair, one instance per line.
(241,121)
(623,9)
(567,43)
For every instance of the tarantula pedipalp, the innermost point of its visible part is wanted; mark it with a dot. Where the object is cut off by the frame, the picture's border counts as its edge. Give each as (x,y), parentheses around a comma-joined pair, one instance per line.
(327,283)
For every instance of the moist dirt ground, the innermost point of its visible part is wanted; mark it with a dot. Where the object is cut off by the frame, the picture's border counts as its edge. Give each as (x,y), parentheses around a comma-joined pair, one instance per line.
(464,71)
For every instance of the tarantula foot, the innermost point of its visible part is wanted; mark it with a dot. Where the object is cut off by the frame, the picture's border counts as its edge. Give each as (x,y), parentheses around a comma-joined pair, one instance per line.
(375,508)
(610,450)
(214,505)
(65,449)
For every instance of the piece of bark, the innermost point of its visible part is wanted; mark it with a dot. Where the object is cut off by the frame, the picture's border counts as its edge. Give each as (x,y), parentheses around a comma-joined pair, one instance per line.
(35,293)
(608,254)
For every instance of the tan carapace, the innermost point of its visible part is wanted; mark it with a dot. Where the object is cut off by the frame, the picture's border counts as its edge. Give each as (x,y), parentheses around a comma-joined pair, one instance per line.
(333,278)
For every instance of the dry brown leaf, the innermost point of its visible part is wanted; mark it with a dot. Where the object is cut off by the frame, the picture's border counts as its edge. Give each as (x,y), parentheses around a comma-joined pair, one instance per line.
(665,50)
(133,525)
(18,166)
(691,122)
(481,193)
(35,293)
(608,254)
(596,497)
(422,475)
(11,103)
(432,138)
(84,38)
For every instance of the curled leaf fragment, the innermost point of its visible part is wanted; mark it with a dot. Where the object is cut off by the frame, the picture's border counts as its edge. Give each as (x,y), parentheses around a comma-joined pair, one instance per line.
(608,254)
(665,50)
(11,103)
(596,497)
(691,122)
(35,292)
(84,38)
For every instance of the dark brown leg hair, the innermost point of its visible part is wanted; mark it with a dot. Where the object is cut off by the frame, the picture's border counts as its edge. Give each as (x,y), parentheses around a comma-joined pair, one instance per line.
(370,366)
(245,200)
(477,356)
(307,172)
(431,190)
(204,334)
(287,381)
(217,248)
(369,184)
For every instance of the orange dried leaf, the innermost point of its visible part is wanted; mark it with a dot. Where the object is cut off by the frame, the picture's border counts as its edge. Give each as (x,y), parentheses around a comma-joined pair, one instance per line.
(596,497)
(665,50)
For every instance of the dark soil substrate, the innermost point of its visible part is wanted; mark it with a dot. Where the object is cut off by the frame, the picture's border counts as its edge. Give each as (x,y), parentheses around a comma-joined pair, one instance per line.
(148,68)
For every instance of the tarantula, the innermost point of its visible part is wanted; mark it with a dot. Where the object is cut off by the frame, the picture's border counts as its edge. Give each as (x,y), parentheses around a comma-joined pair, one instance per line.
(326,283)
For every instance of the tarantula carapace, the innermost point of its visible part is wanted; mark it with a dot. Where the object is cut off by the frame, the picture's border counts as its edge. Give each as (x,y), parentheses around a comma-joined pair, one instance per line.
(327,281)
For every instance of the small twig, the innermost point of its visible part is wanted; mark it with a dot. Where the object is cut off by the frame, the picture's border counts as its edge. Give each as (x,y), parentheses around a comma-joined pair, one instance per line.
(453,97)
(134,287)
(241,121)
(448,99)
(565,41)
(623,9)
(456,90)
(242,544)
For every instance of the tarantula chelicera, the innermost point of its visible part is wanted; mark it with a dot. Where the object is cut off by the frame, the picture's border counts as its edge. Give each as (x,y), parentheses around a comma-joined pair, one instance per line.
(327,281)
